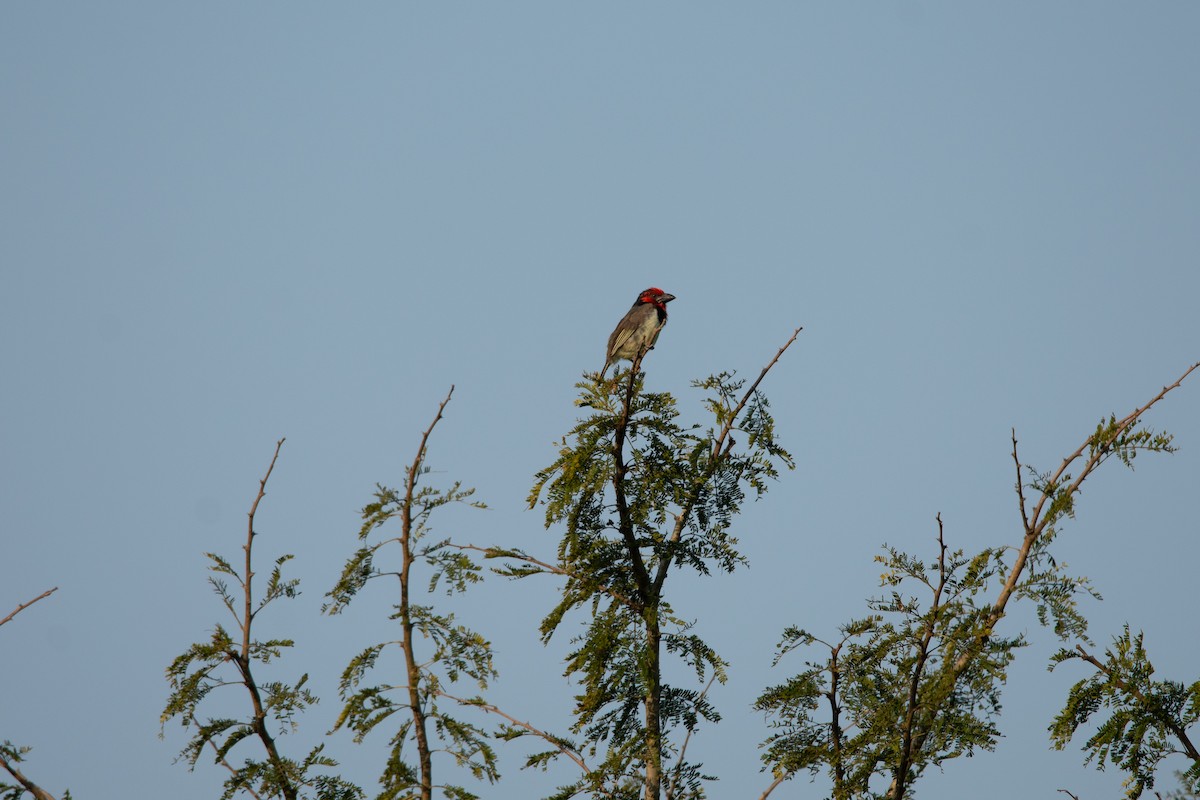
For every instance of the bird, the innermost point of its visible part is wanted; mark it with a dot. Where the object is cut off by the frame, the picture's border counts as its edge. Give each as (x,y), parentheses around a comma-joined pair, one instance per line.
(638,330)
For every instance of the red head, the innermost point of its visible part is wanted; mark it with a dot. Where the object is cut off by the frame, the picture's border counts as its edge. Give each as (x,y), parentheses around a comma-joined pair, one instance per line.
(655,296)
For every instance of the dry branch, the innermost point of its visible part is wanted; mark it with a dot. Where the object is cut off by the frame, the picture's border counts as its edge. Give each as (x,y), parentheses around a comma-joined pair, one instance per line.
(24,606)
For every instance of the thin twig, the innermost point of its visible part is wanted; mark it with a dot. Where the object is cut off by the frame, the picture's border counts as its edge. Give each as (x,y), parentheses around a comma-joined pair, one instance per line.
(249,545)
(243,658)
(569,752)
(404,611)
(495,552)
(729,423)
(24,606)
(1020,485)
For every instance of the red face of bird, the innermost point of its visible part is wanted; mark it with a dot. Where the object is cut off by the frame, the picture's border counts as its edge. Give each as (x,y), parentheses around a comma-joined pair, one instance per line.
(656,297)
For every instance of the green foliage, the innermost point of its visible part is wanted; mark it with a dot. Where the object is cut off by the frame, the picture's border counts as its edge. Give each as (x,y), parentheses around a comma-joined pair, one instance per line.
(682,487)
(1145,720)
(273,778)
(453,567)
(222,662)
(895,692)
(639,494)
(1044,580)
(1055,593)
(455,651)
(913,685)
(1112,438)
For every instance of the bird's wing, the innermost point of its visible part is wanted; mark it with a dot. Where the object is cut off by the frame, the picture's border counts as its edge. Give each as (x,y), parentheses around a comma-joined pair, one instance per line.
(627,327)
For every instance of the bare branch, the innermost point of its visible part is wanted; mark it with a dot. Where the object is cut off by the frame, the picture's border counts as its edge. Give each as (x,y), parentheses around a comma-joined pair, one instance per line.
(420,457)
(24,606)
(720,440)
(1020,485)
(248,611)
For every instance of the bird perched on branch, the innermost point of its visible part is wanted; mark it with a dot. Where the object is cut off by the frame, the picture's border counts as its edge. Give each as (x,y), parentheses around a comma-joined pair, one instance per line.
(638,330)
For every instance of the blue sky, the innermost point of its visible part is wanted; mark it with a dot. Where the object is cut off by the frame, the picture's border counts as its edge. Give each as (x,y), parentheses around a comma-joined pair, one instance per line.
(227,223)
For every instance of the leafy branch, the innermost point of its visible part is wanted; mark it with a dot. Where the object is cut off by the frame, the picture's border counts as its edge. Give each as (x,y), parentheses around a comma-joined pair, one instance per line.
(458,652)
(1148,719)
(926,688)
(205,666)
(890,679)
(640,494)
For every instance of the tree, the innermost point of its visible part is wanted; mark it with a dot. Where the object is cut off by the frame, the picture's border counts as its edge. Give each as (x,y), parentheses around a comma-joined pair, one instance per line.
(919,682)
(228,660)
(640,496)
(898,693)
(456,650)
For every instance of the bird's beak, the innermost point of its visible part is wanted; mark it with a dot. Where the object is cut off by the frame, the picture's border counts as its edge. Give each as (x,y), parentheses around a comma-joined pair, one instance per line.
(665,298)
